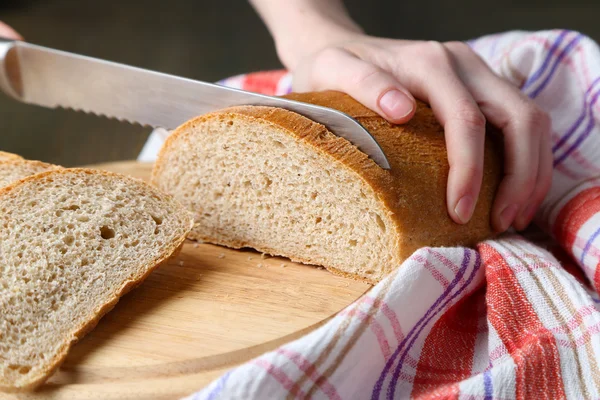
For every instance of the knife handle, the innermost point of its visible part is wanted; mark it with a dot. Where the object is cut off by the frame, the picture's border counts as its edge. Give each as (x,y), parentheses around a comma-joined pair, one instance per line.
(10,72)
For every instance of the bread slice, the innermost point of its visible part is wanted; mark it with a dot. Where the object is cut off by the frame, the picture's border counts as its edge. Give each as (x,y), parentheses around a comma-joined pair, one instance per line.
(72,242)
(8,156)
(14,169)
(275,181)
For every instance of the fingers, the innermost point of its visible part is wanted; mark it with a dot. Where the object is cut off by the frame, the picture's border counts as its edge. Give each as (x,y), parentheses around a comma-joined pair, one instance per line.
(528,161)
(544,181)
(381,91)
(8,32)
(370,85)
(528,157)
(522,135)
(464,126)
(463,93)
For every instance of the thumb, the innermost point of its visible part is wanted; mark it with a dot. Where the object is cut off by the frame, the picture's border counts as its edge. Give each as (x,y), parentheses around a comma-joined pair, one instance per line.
(336,69)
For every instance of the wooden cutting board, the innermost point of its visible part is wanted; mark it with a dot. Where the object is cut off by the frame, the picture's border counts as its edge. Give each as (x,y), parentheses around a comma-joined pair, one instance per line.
(208,310)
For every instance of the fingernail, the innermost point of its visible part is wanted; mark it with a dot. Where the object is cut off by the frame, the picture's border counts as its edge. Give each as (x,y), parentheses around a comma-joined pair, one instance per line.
(507,216)
(395,104)
(464,209)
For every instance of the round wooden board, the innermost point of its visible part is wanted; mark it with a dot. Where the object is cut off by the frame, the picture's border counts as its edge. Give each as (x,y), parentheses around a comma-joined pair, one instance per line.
(209,309)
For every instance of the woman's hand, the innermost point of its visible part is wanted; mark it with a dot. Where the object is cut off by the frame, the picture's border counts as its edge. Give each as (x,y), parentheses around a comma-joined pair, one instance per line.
(463,92)
(326,50)
(8,32)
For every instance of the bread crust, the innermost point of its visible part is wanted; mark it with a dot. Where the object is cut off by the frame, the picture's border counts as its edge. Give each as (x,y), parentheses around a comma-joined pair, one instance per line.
(4,155)
(412,192)
(414,189)
(14,163)
(168,253)
(19,161)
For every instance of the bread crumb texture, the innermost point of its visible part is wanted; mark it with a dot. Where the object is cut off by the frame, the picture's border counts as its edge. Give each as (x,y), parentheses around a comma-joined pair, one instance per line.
(275,181)
(72,241)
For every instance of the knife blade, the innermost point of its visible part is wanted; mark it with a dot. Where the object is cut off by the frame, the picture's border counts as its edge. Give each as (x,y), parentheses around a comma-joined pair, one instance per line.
(52,78)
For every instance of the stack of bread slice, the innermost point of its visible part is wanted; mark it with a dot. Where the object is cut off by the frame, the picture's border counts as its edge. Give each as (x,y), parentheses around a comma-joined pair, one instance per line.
(72,241)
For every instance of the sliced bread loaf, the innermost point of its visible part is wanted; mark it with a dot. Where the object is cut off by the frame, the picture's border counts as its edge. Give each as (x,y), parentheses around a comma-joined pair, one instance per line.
(8,156)
(273,180)
(14,169)
(72,241)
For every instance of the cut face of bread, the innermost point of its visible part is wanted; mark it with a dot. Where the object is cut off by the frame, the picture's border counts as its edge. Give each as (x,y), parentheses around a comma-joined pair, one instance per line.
(72,241)
(8,156)
(275,181)
(14,169)
(268,190)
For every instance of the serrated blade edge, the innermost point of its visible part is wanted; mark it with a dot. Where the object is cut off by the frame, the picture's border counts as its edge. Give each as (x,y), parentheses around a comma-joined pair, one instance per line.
(53,78)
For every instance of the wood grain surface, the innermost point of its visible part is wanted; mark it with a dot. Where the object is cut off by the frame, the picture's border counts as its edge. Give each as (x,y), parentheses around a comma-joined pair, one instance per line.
(209,309)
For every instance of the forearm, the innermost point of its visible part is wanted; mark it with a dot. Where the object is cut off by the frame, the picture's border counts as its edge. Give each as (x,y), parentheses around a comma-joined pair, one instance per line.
(301,27)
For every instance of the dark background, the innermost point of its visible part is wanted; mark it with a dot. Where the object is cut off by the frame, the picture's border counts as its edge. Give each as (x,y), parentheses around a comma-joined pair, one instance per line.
(213,39)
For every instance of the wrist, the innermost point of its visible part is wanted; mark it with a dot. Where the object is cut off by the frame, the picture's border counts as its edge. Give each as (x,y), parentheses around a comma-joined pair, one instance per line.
(302,27)
(293,45)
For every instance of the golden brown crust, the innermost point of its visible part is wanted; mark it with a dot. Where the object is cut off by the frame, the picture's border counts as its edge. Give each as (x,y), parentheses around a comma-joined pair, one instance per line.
(168,253)
(16,162)
(4,155)
(20,161)
(413,191)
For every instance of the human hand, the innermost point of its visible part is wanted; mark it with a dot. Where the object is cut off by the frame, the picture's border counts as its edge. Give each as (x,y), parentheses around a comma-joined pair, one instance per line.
(463,93)
(385,74)
(8,32)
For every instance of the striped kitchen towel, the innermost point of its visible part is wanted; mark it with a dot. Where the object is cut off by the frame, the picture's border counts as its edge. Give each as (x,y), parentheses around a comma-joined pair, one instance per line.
(516,318)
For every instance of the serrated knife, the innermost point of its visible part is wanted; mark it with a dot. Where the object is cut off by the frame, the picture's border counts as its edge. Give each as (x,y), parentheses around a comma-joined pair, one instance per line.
(52,78)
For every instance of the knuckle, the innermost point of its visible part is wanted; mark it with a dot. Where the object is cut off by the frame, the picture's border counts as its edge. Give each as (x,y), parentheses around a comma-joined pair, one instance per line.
(472,172)
(521,187)
(535,120)
(544,120)
(459,47)
(467,175)
(328,56)
(469,166)
(468,114)
(528,182)
(543,185)
(324,60)
(462,51)
(364,75)
(434,53)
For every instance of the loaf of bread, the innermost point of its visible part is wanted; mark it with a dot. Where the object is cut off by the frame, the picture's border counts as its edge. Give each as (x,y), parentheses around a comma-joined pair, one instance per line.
(13,169)
(8,156)
(280,183)
(72,242)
